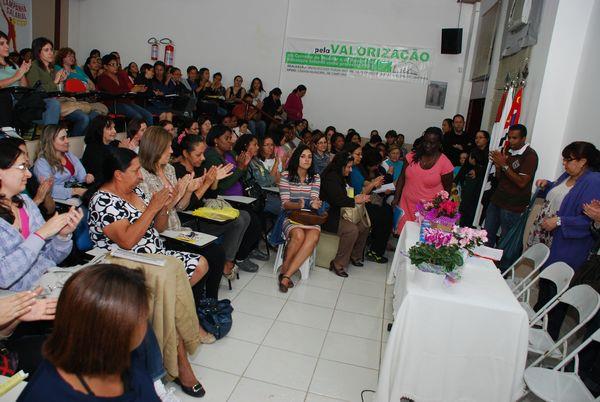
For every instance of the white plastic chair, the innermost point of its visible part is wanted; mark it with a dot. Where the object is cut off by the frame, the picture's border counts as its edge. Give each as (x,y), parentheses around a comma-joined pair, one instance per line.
(538,253)
(559,273)
(583,298)
(559,386)
(304,268)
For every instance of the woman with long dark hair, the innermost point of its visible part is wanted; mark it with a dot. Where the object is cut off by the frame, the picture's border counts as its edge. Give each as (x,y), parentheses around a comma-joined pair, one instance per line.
(365,178)
(42,70)
(299,189)
(338,194)
(99,137)
(426,172)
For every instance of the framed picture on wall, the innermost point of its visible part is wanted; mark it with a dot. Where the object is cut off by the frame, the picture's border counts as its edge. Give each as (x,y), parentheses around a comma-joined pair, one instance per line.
(436,95)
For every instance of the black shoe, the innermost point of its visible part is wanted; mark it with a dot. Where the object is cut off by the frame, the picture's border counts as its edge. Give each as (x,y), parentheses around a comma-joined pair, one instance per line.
(197,391)
(338,272)
(371,256)
(357,263)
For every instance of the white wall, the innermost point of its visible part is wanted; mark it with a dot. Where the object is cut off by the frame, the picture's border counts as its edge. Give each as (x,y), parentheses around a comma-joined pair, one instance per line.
(560,83)
(582,121)
(247,38)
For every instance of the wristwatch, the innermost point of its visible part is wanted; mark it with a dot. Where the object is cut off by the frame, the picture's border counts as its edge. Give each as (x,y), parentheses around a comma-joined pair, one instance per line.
(505,168)
(558,221)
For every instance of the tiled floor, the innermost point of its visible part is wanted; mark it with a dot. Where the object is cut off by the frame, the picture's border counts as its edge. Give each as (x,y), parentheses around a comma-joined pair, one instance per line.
(320,342)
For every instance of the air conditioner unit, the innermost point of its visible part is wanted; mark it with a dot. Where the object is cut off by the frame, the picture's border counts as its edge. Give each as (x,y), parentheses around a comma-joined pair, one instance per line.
(519,14)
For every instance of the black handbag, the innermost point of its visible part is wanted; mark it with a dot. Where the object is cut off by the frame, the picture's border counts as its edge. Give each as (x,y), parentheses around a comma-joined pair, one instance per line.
(254,190)
(215,316)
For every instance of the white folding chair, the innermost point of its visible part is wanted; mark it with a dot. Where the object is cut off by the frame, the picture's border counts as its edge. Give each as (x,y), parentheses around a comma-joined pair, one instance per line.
(558,386)
(538,253)
(559,273)
(583,298)
(304,268)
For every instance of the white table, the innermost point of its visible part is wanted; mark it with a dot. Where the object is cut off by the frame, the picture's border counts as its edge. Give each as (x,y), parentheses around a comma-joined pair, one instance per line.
(463,342)
(274,189)
(240,199)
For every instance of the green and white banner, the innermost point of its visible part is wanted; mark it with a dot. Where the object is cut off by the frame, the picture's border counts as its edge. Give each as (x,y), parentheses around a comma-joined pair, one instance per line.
(351,59)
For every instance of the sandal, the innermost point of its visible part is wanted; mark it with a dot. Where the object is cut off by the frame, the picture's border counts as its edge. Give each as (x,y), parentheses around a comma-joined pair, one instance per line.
(283,288)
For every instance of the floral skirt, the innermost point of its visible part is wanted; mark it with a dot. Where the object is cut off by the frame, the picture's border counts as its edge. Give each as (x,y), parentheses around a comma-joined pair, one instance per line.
(539,235)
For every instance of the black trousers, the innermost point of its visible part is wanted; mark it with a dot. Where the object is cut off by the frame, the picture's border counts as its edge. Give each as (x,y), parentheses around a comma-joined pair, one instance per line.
(252,235)
(381,226)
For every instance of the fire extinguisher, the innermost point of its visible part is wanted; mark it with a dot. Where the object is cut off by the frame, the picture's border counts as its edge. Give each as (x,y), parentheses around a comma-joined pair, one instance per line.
(169,51)
(153,48)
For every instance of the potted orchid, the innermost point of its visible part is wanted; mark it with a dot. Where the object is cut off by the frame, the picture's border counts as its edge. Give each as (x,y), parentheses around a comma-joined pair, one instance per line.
(438,253)
(441,211)
(469,238)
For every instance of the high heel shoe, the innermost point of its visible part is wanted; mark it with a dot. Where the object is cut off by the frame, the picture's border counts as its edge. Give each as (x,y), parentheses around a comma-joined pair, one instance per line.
(338,272)
(197,390)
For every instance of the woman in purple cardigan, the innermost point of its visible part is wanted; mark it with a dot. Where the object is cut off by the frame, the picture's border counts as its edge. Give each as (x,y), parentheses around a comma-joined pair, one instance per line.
(562,224)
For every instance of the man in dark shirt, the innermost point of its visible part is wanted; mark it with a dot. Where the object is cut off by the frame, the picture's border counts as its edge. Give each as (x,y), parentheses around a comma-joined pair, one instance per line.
(515,169)
(457,141)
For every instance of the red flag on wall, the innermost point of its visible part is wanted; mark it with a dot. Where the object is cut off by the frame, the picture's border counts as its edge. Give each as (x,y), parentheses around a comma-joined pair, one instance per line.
(515,110)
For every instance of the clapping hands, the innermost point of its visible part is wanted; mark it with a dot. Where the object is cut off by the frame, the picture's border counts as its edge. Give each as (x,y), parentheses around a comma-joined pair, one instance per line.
(592,210)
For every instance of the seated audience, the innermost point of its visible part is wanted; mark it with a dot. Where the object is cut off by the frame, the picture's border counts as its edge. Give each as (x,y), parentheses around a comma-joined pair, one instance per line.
(272,108)
(337,143)
(287,143)
(365,178)
(334,191)
(246,111)
(84,364)
(121,215)
(12,75)
(400,144)
(28,244)
(266,168)
(515,170)
(446,127)
(39,192)
(99,138)
(42,70)
(329,132)
(321,155)
(135,131)
(235,93)
(169,126)
(113,83)
(562,223)
(220,152)
(426,172)
(241,129)
(54,160)
(353,137)
(132,71)
(299,189)
(392,166)
(66,60)
(192,150)
(306,138)
(470,177)
(93,68)
(293,105)
(217,88)
(257,92)
(204,125)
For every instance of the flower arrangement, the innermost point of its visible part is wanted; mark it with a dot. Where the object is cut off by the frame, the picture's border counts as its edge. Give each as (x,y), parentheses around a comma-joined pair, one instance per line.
(438,253)
(443,252)
(469,238)
(442,212)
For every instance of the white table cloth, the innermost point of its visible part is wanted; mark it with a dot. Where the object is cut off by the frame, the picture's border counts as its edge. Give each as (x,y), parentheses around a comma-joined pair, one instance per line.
(463,342)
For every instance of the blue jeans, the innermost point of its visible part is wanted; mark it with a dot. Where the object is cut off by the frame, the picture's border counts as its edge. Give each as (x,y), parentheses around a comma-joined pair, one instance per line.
(80,122)
(51,114)
(131,110)
(497,217)
(258,128)
(149,354)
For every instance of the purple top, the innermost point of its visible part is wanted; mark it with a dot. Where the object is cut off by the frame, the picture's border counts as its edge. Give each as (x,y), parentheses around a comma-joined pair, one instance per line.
(237,188)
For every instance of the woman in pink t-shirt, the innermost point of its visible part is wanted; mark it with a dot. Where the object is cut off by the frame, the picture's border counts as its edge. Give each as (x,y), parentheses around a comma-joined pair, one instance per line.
(426,172)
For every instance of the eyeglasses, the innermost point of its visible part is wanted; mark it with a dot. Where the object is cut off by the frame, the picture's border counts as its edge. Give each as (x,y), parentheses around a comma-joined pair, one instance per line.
(569,159)
(22,167)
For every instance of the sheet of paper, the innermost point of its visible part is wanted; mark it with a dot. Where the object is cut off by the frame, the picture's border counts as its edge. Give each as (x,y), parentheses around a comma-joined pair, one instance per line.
(238,198)
(489,253)
(384,188)
(196,238)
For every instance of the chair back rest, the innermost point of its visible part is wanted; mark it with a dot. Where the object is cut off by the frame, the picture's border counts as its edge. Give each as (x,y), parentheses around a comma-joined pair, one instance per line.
(560,273)
(538,253)
(595,337)
(584,298)
(75,85)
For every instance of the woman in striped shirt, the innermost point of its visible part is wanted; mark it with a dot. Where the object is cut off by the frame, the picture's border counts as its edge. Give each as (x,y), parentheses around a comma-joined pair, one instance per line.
(299,189)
